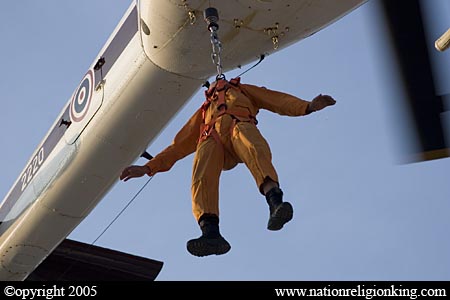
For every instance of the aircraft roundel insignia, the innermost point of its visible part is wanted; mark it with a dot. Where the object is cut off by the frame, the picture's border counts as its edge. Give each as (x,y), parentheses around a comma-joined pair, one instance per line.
(81,99)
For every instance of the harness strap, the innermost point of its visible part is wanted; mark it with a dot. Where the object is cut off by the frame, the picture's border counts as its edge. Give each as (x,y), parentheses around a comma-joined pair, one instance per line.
(216,92)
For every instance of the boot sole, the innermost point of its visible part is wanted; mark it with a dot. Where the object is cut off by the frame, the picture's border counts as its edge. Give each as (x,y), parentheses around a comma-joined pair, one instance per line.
(203,247)
(281,216)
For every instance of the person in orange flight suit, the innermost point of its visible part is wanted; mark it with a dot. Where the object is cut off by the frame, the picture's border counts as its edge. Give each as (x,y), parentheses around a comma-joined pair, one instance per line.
(223,133)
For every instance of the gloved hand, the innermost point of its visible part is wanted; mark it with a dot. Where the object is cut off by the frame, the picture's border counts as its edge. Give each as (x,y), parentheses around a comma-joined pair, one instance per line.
(134,171)
(320,102)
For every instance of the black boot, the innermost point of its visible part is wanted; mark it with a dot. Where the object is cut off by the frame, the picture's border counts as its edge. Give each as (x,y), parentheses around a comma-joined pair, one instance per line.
(211,242)
(280,212)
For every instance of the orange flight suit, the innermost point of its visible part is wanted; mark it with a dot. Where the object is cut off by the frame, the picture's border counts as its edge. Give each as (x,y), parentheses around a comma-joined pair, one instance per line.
(241,141)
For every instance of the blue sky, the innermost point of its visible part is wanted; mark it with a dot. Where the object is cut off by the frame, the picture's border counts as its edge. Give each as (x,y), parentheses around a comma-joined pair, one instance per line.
(358,213)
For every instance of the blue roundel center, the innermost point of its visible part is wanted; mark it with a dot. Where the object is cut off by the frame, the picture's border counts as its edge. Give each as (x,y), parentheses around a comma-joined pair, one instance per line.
(82,97)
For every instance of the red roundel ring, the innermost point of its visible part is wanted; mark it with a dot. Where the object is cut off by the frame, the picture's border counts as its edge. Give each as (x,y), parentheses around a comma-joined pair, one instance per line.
(81,99)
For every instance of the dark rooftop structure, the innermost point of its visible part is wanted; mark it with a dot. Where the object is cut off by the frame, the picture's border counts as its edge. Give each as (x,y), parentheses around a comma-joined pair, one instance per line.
(76,261)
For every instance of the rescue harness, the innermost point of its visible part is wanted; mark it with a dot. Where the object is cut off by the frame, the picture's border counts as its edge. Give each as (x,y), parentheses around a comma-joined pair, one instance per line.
(216,93)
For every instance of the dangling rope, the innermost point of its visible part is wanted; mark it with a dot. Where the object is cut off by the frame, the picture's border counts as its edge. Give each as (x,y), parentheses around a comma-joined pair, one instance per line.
(149,157)
(261,58)
(123,209)
(107,227)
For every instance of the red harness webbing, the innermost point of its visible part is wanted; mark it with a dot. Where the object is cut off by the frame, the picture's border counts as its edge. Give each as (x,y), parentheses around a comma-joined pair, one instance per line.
(216,92)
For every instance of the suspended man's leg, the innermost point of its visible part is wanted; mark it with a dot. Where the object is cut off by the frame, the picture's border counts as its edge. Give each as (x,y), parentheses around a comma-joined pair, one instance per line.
(280,212)
(251,147)
(210,242)
(208,164)
(254,151)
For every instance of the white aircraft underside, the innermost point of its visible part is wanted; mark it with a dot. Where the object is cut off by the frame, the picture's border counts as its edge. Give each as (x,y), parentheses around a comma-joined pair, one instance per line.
(154,62)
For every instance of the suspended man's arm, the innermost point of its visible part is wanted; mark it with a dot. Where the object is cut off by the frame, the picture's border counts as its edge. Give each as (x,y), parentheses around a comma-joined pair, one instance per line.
(283,103)
(320,102)
(184,143)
